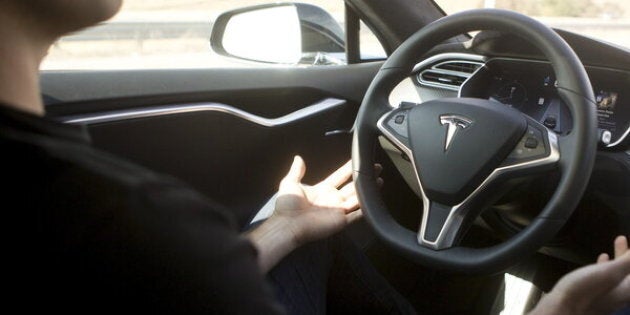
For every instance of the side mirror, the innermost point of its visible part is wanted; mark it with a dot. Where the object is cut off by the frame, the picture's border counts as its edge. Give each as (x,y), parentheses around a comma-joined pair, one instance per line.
(282,33)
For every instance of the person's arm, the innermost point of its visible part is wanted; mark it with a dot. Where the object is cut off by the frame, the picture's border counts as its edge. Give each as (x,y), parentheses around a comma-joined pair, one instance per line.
(305,213)
(601,288)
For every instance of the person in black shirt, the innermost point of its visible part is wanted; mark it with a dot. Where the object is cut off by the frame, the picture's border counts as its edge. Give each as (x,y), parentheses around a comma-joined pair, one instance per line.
(87,232)
(95,234)
(103,233)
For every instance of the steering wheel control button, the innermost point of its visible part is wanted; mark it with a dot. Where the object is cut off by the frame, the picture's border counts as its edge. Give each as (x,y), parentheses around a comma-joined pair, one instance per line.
(530,147)
(531,143)
(605,136)
(551,122)
(397,122)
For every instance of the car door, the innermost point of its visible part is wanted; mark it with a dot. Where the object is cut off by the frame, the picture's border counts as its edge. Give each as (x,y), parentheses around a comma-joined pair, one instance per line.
(229,132)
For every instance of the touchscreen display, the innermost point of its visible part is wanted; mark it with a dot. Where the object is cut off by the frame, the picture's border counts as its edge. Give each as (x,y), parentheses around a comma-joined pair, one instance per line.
(606,101)
(606,104)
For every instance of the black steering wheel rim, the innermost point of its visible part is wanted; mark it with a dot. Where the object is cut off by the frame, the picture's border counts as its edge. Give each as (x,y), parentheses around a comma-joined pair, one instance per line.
(577,149)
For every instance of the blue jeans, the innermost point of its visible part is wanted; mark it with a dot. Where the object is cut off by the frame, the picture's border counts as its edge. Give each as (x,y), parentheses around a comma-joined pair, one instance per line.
(334,276)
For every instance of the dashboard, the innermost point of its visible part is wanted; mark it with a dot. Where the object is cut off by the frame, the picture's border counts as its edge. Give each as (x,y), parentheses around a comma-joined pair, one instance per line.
(530,86)
(508,71)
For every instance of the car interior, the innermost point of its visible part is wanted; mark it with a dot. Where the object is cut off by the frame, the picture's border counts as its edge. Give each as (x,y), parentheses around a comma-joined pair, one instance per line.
(231,133)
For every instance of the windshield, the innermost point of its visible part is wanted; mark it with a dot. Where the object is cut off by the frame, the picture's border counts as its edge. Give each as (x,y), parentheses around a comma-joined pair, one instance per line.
(606,20)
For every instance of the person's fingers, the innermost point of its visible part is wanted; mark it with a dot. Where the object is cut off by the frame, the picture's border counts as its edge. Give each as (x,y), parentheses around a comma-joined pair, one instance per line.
(298,169)
(354,216)
(296,172)
(350,204)
(619,296)
(622,291)
(290,186)
(348,190)
(327,197)
(602,258)
(378,169)
(620,266)
(380,182)
(340,176)
(621,246)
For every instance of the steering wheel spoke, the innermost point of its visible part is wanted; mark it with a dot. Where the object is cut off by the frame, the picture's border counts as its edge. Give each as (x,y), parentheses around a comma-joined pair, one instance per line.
(538,150)
(394,125)
(441,225)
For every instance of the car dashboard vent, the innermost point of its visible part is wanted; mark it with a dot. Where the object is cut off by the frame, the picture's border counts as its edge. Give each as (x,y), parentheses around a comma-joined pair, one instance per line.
(448,74)
(459,66)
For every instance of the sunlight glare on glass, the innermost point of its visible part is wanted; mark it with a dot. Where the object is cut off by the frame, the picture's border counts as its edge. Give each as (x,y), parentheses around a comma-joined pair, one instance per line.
(271,35)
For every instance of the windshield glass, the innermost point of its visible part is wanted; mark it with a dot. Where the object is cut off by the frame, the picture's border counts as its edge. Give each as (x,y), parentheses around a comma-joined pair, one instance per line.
(606,20)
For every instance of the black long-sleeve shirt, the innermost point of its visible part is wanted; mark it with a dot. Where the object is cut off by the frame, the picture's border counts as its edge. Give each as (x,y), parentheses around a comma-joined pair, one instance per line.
(88,233)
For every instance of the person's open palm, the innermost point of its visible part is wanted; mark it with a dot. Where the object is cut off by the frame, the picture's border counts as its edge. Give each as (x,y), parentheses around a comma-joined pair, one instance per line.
(595,289)
(315,212)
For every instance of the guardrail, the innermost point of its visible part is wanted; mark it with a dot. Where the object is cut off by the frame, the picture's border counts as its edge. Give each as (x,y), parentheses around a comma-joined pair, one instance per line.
(142,31)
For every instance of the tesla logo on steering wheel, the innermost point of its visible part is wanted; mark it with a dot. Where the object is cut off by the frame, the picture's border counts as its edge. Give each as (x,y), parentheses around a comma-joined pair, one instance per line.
(454,123)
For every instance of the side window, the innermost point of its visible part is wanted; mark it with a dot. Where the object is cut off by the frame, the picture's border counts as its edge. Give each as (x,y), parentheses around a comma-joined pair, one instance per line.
(159,34)
(371,48)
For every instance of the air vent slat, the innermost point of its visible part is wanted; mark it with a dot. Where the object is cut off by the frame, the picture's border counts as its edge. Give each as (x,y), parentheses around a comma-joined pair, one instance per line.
(448,74)
(431,76)
(466,67)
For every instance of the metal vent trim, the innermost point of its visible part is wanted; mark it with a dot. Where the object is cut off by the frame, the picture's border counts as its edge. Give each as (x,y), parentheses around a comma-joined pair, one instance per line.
(448,71)
(460,66)
(432,77)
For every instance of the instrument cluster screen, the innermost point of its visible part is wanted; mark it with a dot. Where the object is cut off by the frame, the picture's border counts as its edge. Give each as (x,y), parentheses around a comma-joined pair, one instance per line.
(531,87)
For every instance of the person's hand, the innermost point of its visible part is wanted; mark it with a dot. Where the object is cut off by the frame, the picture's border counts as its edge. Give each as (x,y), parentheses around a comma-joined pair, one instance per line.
(305,213)
(316,212)
(601,288)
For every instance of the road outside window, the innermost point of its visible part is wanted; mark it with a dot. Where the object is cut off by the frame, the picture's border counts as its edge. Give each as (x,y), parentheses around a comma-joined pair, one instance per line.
(164,34)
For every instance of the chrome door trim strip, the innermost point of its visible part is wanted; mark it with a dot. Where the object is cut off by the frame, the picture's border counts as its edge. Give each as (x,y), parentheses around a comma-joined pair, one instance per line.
(303,113)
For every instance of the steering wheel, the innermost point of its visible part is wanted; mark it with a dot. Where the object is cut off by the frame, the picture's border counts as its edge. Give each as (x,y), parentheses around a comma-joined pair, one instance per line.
(460,149)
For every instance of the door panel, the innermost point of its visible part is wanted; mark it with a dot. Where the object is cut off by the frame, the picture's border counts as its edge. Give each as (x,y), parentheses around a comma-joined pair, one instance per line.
(120,89)
(237,144)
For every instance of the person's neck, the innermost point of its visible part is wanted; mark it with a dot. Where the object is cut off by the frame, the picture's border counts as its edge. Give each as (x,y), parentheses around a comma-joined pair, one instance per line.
(20,57)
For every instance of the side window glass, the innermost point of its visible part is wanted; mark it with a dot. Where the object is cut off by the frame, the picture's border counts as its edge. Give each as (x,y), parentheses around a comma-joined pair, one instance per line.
(159,34)
(371,48)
